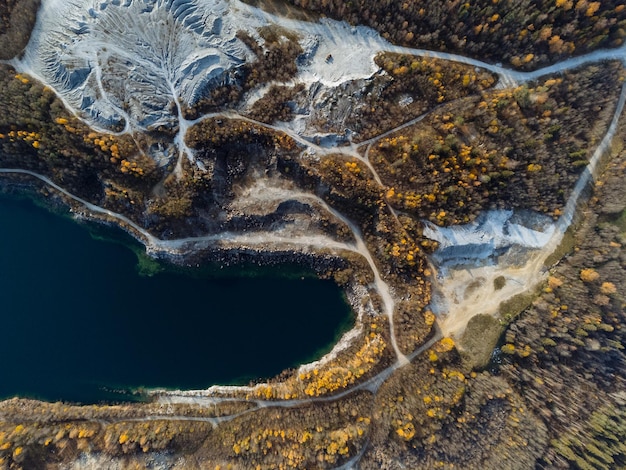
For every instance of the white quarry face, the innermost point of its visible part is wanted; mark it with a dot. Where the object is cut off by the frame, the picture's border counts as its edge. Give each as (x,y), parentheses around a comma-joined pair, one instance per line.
(129,60)
(125,64)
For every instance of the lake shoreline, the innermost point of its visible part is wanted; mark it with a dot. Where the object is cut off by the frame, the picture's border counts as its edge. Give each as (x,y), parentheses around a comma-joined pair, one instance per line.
(230,264)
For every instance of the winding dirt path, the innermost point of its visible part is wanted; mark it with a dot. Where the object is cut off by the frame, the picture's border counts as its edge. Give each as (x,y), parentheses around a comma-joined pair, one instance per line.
(530,274)
(185,245)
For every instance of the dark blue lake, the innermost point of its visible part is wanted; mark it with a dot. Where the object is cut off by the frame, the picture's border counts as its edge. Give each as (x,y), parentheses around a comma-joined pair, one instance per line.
(79,323)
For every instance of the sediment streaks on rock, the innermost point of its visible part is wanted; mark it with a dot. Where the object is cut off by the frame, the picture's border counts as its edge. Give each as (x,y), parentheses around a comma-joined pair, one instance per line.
(131,61)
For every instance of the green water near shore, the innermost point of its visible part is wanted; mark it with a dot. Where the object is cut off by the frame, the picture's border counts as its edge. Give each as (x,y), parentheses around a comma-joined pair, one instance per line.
(78,322)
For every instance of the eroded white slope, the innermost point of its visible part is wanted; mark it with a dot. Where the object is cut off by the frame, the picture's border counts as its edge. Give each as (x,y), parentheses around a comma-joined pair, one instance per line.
(498,228)
(118,61)
(126,63)
(351,48)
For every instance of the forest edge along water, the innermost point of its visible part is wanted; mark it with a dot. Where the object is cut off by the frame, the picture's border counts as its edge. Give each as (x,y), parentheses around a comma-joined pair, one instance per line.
(81,320)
